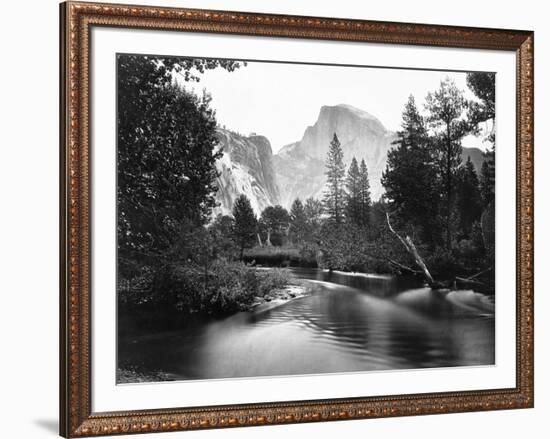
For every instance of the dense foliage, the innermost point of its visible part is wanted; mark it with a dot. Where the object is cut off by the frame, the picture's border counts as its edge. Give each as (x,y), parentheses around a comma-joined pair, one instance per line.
(244,224)
(169,256)
(173,254)
(274,224)
(410,176)
(432,193)
(165,158)
(433,196)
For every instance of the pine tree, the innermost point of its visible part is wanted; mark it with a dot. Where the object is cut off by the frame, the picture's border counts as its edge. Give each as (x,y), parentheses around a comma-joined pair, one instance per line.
(298,220)
(468,198)
(244,224)
(486,185)
(334,196)
(364,195)
(353,196)
(410,177)
(446,107)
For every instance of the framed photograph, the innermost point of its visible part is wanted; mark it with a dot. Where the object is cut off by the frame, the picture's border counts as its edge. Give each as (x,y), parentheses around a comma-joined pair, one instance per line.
(271,219)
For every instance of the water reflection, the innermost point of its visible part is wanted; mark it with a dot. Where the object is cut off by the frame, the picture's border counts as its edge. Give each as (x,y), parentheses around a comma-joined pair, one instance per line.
(349,323)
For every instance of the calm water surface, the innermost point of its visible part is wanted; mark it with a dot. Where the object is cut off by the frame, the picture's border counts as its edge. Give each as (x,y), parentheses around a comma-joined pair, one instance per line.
(350,322)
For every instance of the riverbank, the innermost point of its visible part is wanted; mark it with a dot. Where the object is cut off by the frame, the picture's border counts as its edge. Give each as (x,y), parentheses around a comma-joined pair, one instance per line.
(273,256)
(187,296)
(451,271)
(131,375)
(280,296)
(347,323)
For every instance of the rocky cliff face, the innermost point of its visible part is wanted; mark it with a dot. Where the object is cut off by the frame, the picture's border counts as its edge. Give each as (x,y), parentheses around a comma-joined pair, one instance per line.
(245,168)
(300,166)
(249,167)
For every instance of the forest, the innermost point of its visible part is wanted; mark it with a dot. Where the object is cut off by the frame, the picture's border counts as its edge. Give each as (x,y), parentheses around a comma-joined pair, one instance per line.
(435,220)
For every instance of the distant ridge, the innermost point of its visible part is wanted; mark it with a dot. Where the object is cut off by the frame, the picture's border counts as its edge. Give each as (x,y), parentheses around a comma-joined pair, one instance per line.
(248,165)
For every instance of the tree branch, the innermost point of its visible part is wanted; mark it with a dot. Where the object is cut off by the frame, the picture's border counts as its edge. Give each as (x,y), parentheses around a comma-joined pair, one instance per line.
(411,248)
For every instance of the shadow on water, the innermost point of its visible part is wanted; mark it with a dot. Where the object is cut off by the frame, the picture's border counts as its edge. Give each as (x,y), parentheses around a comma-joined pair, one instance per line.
(350,322)
(377,284)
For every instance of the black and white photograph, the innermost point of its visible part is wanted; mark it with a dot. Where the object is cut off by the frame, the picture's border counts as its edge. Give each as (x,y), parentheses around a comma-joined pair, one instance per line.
(279,219)
(231,217)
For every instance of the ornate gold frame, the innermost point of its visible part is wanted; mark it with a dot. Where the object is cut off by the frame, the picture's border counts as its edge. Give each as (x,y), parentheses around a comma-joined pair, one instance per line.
(76,417)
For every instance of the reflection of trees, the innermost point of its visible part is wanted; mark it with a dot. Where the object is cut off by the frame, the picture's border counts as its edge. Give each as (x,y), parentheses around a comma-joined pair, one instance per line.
(334,330)
(383,333)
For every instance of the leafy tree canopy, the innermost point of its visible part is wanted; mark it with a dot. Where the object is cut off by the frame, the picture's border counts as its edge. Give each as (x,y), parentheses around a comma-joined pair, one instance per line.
(165,156)
(245,224)
(274,222)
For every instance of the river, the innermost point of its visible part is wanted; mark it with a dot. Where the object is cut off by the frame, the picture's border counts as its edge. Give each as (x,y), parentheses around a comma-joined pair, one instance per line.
(350,322)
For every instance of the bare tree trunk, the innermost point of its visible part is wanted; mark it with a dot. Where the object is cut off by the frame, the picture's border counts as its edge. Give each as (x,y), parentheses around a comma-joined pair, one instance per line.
(467,280)
(411,248)
(419,260)
(473,279)
(480,273)
(401,266)
(268,240)
(259,240)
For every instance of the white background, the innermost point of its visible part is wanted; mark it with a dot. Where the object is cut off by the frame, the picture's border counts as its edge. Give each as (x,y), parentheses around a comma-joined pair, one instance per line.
(28,220)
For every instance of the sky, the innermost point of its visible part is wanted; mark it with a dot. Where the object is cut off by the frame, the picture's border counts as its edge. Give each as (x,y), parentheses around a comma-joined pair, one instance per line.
(280,100)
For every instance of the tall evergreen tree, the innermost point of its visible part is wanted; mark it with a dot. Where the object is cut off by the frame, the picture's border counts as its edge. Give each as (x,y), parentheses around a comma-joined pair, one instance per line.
(468,198)
(334,196)
(353,195)
(364,195)
(298,222)
(244,224)
(410,177)
(446,107)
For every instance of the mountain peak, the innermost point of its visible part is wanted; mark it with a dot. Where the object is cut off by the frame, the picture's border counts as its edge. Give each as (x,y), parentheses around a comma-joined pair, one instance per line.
(300,166)
(351,110)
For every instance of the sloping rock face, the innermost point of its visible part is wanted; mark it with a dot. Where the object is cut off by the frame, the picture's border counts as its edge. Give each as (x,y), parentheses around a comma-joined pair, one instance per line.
(249,167)
(245,168)
(300,166)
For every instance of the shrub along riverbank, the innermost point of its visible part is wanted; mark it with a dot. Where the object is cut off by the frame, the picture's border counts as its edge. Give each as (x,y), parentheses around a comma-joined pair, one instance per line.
(274,256)
(458,269)
(179,295)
